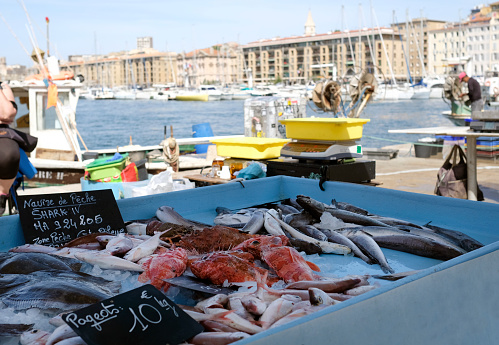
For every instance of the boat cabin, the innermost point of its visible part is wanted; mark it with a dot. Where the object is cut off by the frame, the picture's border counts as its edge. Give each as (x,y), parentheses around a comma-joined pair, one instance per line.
(54,127)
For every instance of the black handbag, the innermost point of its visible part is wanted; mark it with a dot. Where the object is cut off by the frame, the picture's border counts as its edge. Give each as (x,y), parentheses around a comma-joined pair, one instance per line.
(25,141)
(452,177)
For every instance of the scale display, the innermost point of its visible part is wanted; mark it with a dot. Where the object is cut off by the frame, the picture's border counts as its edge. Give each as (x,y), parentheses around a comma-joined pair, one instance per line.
(322,150)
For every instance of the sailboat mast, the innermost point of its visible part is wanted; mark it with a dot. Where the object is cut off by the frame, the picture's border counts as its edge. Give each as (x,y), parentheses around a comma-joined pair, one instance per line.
(407,43)
(384,48)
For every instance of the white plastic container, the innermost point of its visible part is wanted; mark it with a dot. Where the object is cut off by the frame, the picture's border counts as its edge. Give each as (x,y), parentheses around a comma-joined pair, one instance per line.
(262,115)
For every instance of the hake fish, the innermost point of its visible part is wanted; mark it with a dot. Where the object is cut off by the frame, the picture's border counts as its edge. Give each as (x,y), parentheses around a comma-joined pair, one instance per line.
(458,238)
(271,223)
(327,247)
(255,223)
(367,244)
(392,238)
(336,237)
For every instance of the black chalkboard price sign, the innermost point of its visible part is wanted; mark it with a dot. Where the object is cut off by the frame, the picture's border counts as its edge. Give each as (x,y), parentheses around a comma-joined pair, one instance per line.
(55,219)
(140,316)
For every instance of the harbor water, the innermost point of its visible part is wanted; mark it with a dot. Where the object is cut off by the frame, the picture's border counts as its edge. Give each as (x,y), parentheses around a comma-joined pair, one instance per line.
(111,123)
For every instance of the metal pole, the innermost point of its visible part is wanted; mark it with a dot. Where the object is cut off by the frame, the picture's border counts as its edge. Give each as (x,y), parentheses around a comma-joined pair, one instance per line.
(471,167)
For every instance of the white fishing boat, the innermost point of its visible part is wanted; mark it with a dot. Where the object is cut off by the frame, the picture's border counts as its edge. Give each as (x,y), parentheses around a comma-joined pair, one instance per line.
(241,94)
(213,93)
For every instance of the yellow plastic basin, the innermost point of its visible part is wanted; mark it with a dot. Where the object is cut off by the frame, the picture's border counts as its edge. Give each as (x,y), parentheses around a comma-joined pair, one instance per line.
(250,147)
(319,128)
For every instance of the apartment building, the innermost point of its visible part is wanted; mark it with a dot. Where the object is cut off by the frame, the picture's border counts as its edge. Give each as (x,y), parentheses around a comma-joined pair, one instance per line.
(311,56)
(144,68)
(220,64)
(447,49)
(414,37)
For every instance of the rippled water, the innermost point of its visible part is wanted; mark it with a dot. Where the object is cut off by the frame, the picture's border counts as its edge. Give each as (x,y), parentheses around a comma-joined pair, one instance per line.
(110,123)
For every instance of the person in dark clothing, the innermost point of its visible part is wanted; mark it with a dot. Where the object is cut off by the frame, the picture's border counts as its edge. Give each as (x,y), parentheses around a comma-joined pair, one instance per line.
(474,92)
(9,149)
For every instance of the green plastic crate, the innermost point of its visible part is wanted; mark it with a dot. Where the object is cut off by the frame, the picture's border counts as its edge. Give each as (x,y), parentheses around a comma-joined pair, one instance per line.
(100,169)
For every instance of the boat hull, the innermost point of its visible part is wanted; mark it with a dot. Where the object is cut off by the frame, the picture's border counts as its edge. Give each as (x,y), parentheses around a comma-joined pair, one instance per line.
(198,98)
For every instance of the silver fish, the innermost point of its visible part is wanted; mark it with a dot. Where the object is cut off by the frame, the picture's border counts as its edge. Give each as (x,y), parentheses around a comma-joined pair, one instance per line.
(255,223)
(314,207)
(319,297)
(166,214)
(348,207)
(287,209)
(392,238)
(458,238)
(367,244)
(144,249)
(313,232)
(327,247)
(337,237)
(107,261)
(351,217)
(272,225)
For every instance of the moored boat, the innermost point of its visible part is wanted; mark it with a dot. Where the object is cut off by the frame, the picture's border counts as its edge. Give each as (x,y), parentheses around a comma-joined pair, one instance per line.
(192,96)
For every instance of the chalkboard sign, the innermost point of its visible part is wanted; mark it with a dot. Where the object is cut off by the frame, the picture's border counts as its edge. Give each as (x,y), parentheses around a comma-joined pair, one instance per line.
(55,219)
(140,316)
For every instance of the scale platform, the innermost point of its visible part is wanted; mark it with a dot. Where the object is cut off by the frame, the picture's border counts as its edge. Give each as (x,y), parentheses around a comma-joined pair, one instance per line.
(322,150)
(359,171)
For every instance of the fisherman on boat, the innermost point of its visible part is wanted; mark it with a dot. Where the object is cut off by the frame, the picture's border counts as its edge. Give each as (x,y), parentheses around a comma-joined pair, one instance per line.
(474,92)
(9,149)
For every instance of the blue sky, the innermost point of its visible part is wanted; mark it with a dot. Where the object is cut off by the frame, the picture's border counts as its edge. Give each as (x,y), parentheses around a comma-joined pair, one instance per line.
(91,26)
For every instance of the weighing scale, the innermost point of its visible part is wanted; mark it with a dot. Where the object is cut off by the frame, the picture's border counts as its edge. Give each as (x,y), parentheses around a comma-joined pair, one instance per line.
(331,160)
(322,150)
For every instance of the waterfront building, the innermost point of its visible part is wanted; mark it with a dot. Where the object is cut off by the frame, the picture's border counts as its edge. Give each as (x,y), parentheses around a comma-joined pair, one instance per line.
(334,54)
(133,68)
(220,64)
(478,43)
(447,49)
(415,42)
